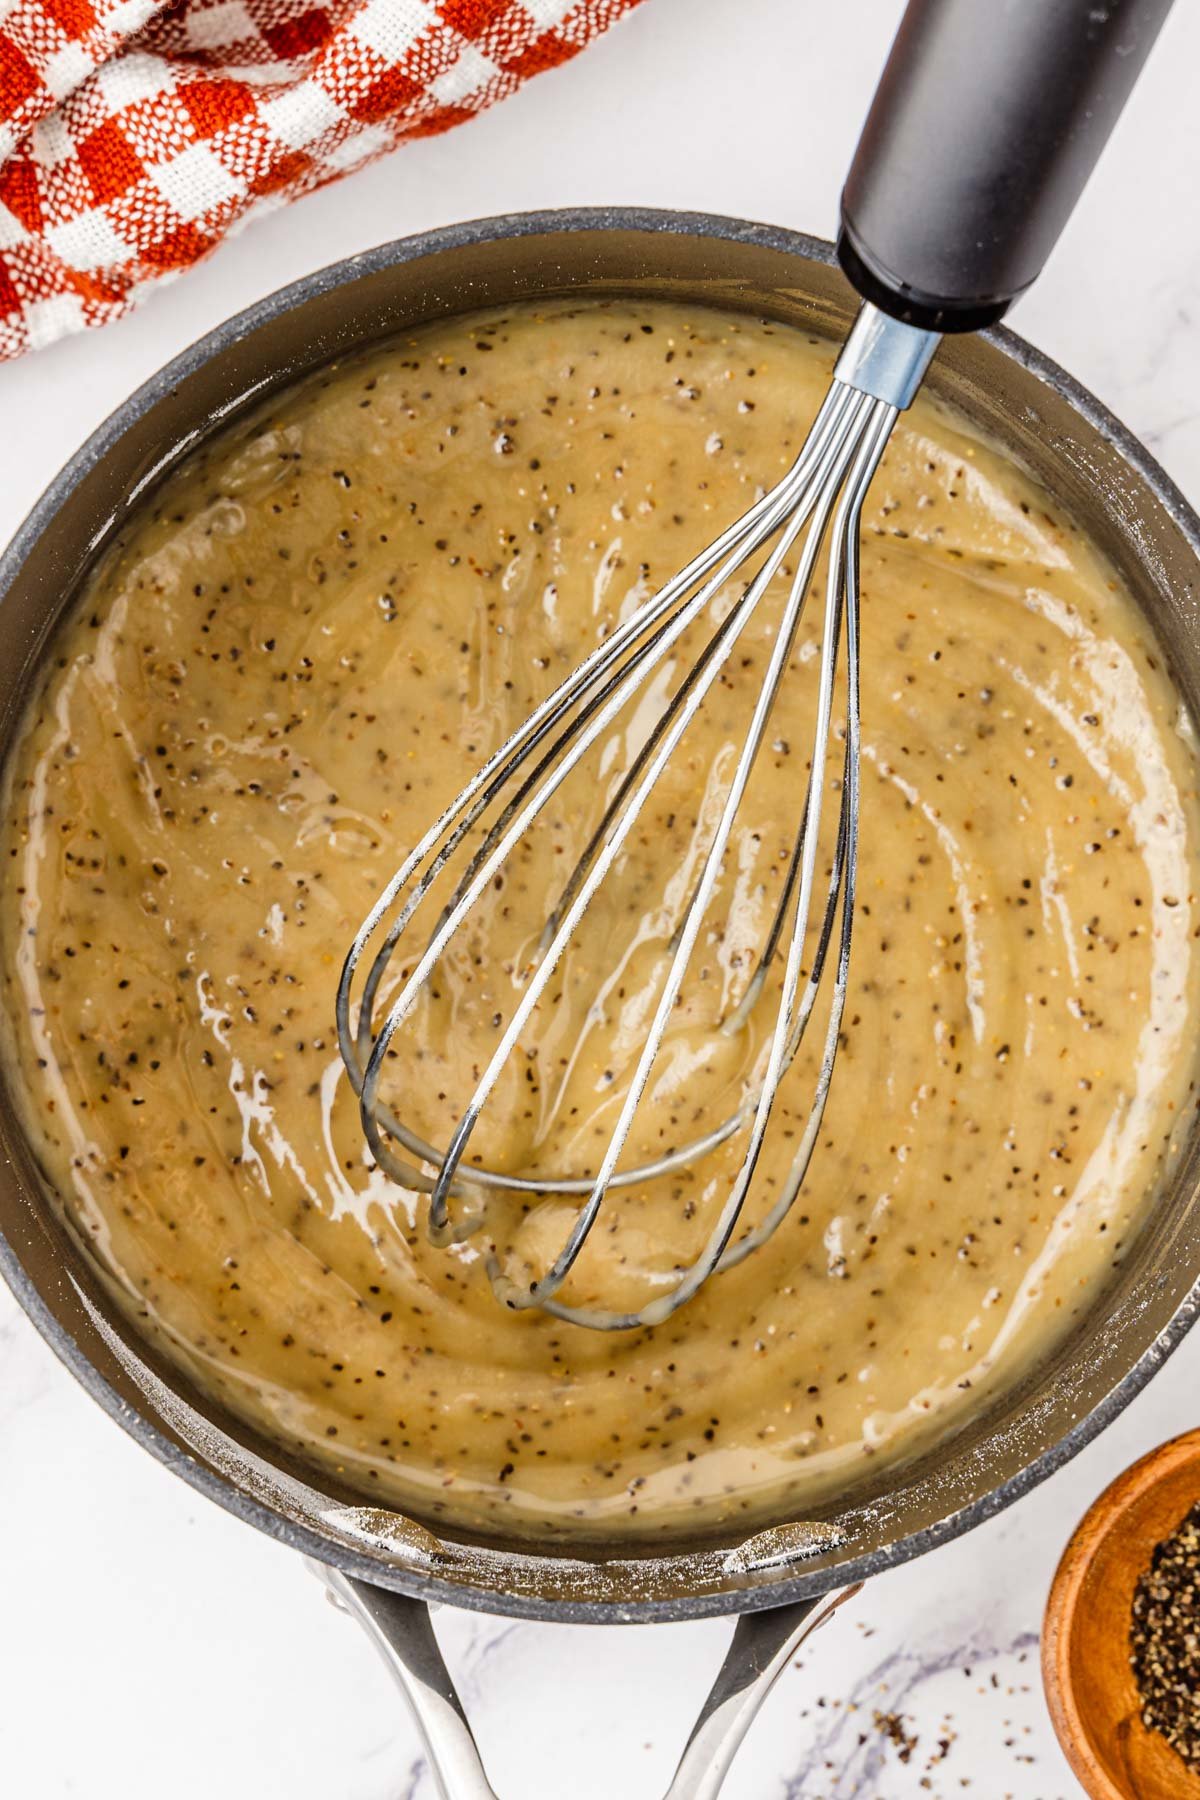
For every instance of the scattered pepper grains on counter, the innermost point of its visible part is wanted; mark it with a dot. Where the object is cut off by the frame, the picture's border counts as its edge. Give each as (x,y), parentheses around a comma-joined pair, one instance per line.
(893,1733)
(893,1727)
(304,642)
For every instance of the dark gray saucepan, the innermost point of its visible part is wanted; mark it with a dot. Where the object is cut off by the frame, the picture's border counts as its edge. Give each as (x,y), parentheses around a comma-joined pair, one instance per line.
(886,1514)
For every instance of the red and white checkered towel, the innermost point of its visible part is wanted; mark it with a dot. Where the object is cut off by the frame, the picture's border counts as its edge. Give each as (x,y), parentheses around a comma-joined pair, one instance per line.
(135,134)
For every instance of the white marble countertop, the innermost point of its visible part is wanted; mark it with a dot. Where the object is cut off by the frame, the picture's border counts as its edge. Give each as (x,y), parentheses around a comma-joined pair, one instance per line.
(149,1644)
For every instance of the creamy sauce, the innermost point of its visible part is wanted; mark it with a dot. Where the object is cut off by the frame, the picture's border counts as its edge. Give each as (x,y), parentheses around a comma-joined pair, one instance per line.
(299,651)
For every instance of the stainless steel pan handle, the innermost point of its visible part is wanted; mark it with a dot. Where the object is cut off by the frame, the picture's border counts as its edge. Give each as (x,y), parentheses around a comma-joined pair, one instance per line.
(762,1645)
(402,1631)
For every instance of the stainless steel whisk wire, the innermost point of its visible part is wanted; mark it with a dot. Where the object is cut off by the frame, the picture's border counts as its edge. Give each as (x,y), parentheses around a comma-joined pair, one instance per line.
(876,376)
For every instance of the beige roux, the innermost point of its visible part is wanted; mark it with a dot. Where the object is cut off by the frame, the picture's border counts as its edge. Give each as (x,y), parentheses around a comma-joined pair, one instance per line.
(306,643)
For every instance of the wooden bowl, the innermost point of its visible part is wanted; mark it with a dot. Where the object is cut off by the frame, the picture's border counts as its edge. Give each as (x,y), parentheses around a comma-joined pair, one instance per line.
(1085,1637)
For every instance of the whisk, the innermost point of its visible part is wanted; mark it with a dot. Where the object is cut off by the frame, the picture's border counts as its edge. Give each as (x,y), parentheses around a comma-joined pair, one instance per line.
(982,133)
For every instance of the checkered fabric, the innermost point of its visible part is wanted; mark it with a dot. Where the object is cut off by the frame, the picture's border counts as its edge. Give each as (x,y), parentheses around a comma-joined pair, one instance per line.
(134,135)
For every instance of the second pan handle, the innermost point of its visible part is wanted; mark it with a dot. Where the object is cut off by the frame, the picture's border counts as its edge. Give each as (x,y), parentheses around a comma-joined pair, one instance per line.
(402,1631)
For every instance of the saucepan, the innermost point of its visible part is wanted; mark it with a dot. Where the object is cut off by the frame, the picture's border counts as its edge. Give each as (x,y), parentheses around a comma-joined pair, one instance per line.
(386,1567)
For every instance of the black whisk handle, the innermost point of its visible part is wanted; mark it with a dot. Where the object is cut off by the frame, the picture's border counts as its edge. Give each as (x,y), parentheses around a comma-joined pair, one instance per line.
(988,119)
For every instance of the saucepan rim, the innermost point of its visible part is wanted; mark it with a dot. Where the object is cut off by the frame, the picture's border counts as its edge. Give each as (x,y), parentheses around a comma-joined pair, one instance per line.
(792,1586)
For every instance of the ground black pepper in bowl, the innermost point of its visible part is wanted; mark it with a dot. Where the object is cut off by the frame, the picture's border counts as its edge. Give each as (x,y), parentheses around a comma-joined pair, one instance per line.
(1165,1640)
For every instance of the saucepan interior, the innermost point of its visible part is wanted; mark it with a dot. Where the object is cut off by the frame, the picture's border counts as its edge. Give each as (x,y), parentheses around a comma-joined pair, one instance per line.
(887,1513)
